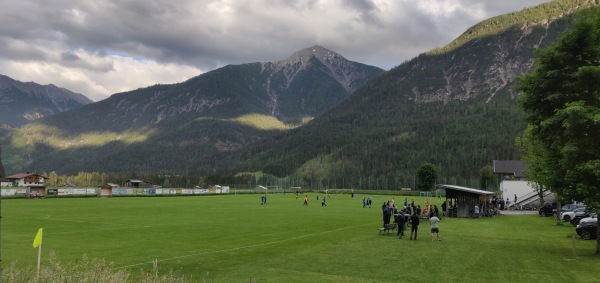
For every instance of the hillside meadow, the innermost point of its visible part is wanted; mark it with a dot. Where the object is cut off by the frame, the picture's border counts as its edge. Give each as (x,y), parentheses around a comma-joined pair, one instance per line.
(232,238)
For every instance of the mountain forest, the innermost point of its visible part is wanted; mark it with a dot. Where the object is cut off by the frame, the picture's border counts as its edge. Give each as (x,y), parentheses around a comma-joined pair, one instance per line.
(314,119)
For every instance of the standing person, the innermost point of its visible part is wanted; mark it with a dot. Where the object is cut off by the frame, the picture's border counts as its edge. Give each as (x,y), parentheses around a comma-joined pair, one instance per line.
(445,208)
(306,200)
(364,202)
(414,225)
(401,221)
(476,211)
(436,211)
(323,202)
(515,199)
(434,223)
(384,210)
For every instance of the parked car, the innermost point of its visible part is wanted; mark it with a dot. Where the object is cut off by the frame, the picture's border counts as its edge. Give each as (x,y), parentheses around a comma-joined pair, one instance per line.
(548,209)
(571,207)
(592,218)
(578,218)
(587,230)
(568,215)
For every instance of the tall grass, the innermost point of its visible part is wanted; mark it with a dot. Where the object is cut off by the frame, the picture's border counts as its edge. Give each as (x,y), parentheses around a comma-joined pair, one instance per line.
(84,270)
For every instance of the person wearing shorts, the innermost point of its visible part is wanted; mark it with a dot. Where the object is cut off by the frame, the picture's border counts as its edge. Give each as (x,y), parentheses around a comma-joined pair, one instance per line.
(435,228)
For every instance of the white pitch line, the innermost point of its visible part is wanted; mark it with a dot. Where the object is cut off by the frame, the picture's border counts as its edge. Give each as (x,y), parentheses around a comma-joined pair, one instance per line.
(47,217)
(240,248)
(46,234)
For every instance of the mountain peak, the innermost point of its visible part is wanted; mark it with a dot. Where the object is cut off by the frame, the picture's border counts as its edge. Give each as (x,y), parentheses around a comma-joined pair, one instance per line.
(28,101)
(319,52)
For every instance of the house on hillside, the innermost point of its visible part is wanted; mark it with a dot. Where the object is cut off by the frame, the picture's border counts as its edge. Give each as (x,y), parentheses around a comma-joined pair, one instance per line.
(34,183)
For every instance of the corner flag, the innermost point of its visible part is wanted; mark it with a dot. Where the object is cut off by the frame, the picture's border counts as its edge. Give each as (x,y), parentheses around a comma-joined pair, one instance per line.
(38,239)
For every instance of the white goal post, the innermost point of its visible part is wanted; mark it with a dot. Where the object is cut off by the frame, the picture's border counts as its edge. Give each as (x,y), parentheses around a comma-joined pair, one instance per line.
(338,192)
(425,194)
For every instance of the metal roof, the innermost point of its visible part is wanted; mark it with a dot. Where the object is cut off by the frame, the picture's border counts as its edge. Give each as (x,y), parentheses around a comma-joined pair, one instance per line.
(464,189)
(511,167)
(21,175)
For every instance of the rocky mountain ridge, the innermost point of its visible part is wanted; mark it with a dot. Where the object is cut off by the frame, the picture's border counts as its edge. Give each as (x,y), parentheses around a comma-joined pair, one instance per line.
(219,111)
(21,102)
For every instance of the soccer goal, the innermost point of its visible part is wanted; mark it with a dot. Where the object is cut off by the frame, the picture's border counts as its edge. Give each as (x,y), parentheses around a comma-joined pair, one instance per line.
(275,189)
(335,193)
(425,194)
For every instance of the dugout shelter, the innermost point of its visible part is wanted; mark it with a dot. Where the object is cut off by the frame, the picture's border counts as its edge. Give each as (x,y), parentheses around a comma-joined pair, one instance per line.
(464,199)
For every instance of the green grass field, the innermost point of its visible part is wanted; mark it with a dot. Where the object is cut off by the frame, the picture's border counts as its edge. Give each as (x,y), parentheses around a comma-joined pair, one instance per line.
(232,238)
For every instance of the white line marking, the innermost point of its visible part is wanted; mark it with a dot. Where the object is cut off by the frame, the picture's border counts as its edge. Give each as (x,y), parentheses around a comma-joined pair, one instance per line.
(47,217)
(240,248)
(46,234)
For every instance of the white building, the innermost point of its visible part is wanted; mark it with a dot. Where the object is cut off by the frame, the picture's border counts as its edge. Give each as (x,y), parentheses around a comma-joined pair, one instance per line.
(30,180)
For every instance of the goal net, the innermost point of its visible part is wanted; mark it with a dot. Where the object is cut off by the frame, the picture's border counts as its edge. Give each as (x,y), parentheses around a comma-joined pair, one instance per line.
(335,193)
(425,194)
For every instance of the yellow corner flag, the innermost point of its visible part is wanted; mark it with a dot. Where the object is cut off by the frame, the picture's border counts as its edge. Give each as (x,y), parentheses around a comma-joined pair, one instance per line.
(38,239)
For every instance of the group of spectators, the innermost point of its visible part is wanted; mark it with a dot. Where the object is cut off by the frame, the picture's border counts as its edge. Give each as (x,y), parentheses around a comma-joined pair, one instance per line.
(366,202)
(499,202)
(410,216)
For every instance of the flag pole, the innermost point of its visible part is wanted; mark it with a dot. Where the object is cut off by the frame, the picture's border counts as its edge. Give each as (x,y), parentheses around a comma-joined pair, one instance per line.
(39,259)
(37,243)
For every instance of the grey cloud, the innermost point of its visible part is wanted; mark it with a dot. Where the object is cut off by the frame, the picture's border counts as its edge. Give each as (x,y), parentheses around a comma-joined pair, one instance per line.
(367,9)
(210,34)
(69,56)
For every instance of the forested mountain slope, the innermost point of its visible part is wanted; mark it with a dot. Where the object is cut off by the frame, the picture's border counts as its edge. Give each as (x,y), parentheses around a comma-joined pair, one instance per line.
(454,107)
(170,128)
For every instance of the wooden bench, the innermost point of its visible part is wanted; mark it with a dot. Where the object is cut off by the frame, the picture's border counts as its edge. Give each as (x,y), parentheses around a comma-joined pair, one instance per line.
(387,228)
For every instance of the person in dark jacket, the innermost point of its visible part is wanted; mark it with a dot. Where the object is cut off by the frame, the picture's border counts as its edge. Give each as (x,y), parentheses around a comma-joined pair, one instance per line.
(414,225)
(401,221)
(384,210)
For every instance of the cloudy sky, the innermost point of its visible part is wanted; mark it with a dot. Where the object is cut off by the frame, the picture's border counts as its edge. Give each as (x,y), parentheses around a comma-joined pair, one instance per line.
(98,48)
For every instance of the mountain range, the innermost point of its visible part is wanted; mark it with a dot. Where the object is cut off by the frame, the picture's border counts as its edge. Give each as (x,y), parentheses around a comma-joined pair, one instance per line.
(165,127)
(21,103)
(314,116)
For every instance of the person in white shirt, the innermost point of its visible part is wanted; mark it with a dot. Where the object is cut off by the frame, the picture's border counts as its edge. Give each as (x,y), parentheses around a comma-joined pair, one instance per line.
(434,223)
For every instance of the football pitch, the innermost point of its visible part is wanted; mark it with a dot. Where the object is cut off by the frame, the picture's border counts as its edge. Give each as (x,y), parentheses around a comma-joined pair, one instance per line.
(233,238)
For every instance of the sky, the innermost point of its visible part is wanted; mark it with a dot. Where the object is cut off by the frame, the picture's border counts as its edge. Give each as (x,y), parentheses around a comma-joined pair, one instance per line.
(98,48)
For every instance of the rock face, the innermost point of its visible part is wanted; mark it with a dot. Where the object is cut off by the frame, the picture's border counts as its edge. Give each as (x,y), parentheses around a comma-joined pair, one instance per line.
(310,82)
(21,103)
(480,68)
(455,107)
(289,82)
